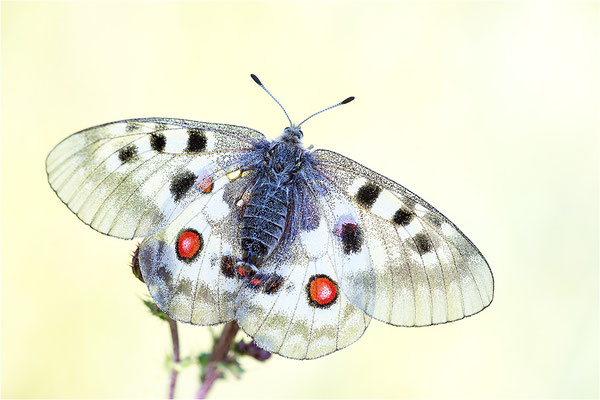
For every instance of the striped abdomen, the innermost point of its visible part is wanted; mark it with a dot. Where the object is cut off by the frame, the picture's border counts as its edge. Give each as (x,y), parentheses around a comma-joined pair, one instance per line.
(263,222)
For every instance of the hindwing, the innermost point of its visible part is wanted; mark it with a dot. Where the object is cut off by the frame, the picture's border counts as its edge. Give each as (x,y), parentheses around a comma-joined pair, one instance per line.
(293,306)
(305,316)
(189,267)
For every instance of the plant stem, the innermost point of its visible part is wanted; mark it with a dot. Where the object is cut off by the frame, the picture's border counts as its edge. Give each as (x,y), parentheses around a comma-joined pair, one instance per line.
(219,354)
(176,359)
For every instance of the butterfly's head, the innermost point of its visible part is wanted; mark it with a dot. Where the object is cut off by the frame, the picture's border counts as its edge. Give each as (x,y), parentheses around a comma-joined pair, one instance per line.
(292,133)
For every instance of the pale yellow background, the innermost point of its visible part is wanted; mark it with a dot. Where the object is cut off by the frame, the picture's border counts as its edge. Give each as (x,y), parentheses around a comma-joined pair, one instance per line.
(487,110)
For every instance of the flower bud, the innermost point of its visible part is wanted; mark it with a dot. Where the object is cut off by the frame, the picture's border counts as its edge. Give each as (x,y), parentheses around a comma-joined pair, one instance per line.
(254,351)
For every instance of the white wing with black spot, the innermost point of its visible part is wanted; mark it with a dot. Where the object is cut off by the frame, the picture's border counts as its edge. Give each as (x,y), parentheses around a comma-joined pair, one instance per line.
(277,306)
(338,221)
(294,306)
(131,178)
(425,271)
(189,267)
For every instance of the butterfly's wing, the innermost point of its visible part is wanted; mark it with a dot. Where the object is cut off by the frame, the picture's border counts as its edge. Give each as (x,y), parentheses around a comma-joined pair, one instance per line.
(199,284)
(131,178)
(422,269)
(304,315)
(275,306)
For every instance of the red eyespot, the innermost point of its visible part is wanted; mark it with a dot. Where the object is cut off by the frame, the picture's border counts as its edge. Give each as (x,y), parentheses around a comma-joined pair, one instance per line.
(322,290)
(227,266)
(255,282)
(206,184)
(244,269)
(188,244)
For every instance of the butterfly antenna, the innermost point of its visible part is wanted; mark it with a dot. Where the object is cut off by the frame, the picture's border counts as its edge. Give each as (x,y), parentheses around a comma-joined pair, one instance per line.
(259,83)
(345,101)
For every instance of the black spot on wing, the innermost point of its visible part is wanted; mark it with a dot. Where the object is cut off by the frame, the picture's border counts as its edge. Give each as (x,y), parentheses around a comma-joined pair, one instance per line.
(196,141)
(435,220)
(227,266)
(132,126)
(273,284)
(402,217)
(352,238)
(158,142)
(267,283)
(367,195)
(128,153)
(165,275)
(245,270)
(181,184)
(256,281)
(423,243)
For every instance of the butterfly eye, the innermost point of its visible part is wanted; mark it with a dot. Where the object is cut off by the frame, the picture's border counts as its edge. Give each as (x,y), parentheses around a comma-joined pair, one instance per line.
(267,156)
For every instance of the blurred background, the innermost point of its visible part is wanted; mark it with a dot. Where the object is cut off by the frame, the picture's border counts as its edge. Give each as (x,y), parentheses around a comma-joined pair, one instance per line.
(487,110)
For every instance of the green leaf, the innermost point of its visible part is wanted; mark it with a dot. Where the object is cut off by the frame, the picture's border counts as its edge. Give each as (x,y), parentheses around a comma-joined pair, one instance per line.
(232,367)
(154,310)
(180,366)
(203,359)
(168,362)
(186,362)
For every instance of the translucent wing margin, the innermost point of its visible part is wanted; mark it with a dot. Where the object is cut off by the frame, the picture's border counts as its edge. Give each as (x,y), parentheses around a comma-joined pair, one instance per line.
(131,178)
(426,271)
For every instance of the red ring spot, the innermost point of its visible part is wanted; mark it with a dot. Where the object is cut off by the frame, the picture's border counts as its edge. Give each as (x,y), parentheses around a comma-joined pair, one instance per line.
(189,244)
(256,282)
(344,223)
(241,271)
(206,184)
(323,290)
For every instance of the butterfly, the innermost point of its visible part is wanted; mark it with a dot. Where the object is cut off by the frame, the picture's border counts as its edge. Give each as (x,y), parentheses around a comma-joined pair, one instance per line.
(301,247)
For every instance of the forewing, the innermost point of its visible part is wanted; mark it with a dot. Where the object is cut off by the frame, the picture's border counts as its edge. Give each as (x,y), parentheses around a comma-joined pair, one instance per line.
(199,289)
(426,271)
(131,178)
(287,320)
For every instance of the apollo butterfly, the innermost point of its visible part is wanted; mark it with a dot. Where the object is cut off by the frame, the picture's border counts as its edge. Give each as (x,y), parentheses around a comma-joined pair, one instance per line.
(302,247)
